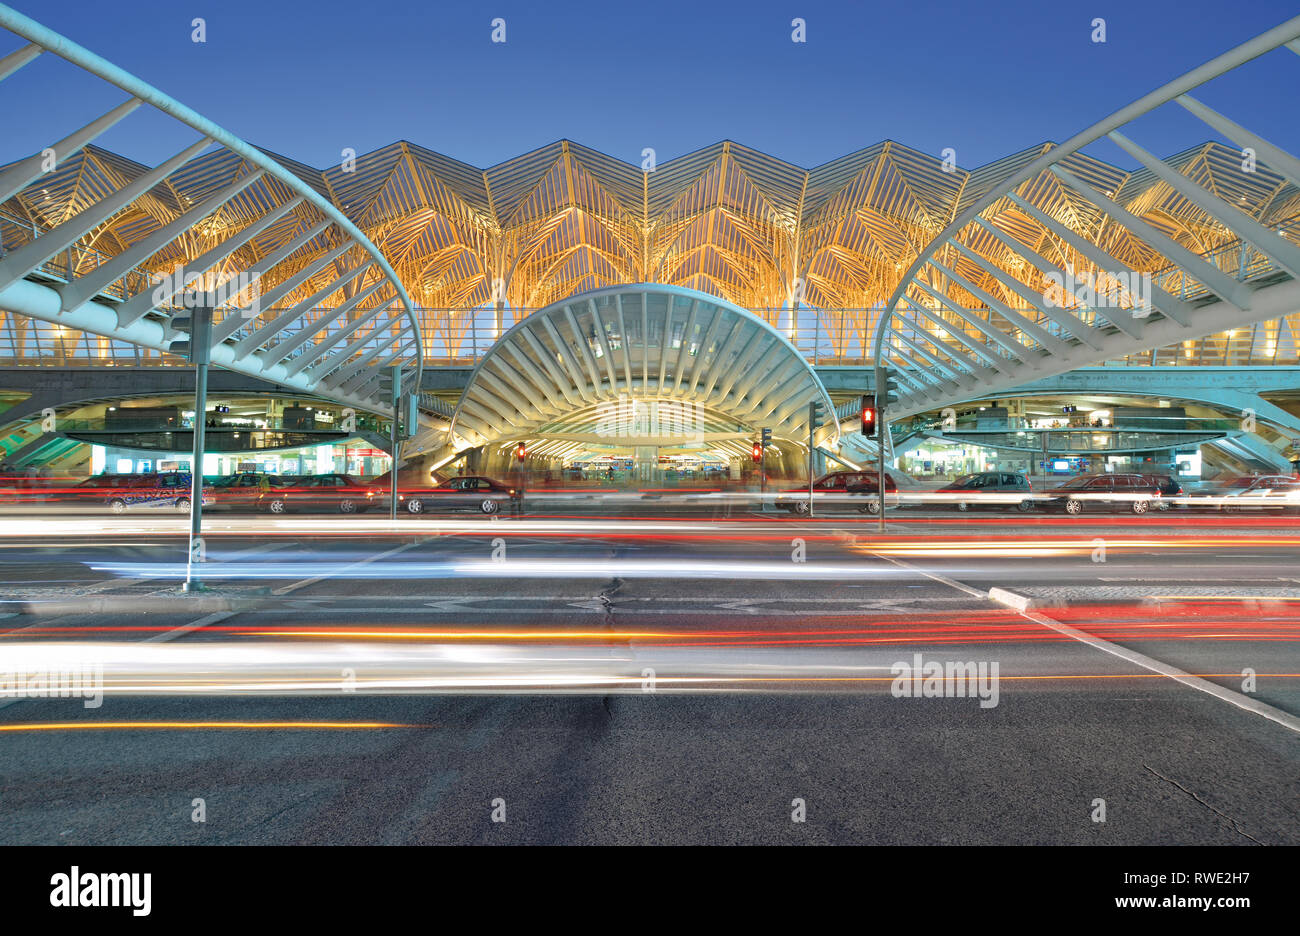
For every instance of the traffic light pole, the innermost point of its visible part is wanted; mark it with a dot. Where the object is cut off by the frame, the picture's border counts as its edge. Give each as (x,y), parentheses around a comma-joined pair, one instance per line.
(393,443)
(200,348)
(880,480)
(882,398)
(812,429)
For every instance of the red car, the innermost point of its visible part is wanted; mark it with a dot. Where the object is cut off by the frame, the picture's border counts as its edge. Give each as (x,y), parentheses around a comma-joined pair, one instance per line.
(841,488)
(481,494)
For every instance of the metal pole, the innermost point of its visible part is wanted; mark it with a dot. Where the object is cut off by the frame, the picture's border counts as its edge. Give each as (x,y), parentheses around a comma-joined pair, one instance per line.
(882,429)
(393,443)
(200,340)
(882,398)
(812,428)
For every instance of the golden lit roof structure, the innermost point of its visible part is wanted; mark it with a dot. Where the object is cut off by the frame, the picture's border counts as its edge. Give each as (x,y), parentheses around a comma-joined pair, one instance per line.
(836,242)
(727,220)
(1066,262)
(95,243)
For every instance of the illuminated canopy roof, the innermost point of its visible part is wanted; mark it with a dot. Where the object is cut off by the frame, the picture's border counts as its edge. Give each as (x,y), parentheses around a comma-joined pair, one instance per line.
(727,220)
(592,368)
(740,225)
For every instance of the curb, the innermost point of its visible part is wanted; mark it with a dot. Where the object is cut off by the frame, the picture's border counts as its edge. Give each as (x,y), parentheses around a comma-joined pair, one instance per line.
(201,604)
(1012,600)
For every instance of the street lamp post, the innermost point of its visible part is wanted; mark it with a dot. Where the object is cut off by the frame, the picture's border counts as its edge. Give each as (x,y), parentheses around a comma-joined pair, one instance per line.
(393,443)
(198,322)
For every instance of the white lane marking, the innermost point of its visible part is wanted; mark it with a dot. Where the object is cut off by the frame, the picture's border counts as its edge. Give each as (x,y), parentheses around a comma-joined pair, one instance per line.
(951,583)
(1254,706)
(114,583)
(1156,666)
(213,618)
(289,589)
(175,632)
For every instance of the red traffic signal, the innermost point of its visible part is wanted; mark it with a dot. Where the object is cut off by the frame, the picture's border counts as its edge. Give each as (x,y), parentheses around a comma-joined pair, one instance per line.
(758,451)
(521,452)
(868,417)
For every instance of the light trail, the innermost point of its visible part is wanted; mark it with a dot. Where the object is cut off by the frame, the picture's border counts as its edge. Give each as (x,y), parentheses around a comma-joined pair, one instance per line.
(119,530)
(202,725)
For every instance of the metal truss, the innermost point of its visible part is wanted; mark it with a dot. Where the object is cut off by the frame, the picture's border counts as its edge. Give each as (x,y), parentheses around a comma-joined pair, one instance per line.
(92,242)
(1062,264)
(579,368)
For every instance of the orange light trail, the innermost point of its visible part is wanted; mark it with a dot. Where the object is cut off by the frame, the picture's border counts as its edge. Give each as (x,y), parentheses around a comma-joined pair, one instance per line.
(194,725)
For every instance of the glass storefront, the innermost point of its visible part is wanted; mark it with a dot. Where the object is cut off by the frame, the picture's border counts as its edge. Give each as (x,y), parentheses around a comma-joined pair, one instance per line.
(318,459)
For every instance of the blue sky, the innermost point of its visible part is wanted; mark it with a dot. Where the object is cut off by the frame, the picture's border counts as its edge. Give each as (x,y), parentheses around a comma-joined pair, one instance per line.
(308,79)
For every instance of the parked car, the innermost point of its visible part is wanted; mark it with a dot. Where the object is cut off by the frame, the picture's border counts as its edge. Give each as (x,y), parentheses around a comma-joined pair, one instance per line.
(91,490)
(472,493)
(858,489)
(1091,491)
(164,490)
(338,493)
(991,488)
(245,490)
(1169,487)
(1233,493)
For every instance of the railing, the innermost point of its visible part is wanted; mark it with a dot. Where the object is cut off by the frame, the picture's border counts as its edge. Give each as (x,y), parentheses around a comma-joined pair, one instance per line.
(831,337)
(364,423)
(1024,423)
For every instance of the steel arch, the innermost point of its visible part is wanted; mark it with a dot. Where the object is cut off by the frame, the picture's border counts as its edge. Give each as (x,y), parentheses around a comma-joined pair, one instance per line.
(331,308)
(574,356)
(971,316)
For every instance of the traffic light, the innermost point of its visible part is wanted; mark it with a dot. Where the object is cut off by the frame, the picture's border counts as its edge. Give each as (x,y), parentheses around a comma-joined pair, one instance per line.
(767,437)
(869,421)
(816,413)
(410,415)
(521,452)
(887,391)
(757,451)
(194,327)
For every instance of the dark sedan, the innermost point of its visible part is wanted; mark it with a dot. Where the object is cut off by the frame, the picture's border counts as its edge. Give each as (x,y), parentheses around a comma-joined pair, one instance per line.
(335,493)
(474,493)
(990,488)
(1093,491)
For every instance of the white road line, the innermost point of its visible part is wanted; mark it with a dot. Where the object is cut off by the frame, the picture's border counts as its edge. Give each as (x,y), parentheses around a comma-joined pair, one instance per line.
(114,583)
(951,583)
(1164,669)
(289,589)
(175,632)
(214,618)
(1245,703)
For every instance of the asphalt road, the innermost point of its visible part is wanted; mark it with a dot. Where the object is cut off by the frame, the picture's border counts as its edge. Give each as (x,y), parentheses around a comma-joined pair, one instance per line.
(500,667)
